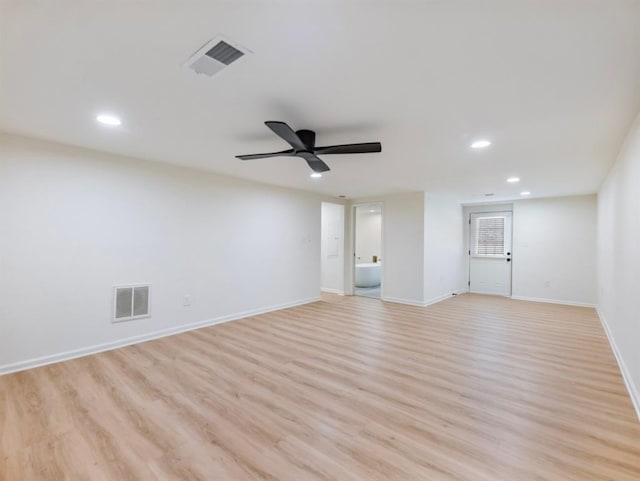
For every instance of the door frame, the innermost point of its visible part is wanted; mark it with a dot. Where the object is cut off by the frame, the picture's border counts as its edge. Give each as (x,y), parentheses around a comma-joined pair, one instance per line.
(342,252)
(352,245)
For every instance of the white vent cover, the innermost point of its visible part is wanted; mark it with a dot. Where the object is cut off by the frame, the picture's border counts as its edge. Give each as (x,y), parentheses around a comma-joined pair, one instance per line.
(215,56)
(131,302)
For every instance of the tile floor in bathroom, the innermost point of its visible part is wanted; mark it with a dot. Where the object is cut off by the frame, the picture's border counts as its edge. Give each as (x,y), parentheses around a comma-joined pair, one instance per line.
(367,291)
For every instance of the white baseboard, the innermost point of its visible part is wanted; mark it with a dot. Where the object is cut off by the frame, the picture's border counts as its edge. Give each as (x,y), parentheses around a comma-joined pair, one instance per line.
(437,299)
(482,293)
(86,351)
(634,393)
(397,300)
(332,291)
(411,302)
(553,301)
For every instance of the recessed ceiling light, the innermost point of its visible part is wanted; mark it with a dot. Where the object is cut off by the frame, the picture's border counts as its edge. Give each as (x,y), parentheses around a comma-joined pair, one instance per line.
(316,175)
(371,210)
(480,144)
(513,180)
(526,192)
(108,119)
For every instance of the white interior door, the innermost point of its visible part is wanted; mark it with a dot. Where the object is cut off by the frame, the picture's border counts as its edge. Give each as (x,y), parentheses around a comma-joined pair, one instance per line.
(490,253)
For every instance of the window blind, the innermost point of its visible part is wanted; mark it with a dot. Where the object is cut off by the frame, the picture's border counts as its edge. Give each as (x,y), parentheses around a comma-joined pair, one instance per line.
(489,236)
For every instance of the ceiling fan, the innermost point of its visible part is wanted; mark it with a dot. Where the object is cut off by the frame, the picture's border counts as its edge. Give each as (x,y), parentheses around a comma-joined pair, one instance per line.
(303,143)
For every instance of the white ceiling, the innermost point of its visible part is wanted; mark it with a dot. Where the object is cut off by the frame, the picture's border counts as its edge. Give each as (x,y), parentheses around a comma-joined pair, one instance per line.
(553,84)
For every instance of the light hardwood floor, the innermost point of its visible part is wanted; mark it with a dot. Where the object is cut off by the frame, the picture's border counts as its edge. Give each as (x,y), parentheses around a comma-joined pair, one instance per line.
(473,388)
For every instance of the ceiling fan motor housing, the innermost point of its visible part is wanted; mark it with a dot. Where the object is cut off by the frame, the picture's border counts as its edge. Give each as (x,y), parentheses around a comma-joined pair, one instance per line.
(308,137)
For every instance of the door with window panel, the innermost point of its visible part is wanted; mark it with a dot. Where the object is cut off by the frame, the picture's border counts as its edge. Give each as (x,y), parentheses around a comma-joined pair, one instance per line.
(490,253)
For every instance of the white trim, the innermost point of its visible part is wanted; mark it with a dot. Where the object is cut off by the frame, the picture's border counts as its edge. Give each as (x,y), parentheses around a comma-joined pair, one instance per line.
(554,301)
(634,393)
(411,302)
(332,291)
(495,294)
(86,351)
(397,300)
(435,300)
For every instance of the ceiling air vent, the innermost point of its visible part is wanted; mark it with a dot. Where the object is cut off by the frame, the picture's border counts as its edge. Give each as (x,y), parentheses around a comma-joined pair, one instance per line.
(215,56)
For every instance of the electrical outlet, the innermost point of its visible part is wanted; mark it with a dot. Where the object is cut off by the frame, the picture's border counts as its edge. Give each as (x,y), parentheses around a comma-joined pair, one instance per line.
(547,284)
(186,300)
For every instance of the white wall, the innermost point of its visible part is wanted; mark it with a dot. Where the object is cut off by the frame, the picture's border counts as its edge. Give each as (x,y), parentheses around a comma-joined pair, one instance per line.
(422,247)
(554,249)
(368,234)
(332,249)
(554,244)
(403,248)
(444,254)
(619,259)
(76,222)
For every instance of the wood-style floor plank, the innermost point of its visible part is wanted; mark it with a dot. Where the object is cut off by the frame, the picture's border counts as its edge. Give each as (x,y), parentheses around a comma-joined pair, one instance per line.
(474,388)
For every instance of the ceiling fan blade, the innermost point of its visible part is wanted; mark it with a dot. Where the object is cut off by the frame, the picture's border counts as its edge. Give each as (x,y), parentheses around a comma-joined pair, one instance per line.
(316,164)
(365,148)
(286,133)
(284,153)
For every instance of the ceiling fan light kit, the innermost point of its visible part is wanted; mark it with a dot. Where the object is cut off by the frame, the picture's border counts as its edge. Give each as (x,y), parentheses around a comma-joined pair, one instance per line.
(303,144)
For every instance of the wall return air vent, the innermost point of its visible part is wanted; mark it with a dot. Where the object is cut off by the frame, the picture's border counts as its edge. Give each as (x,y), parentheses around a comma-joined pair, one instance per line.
(214,56)
(131,302)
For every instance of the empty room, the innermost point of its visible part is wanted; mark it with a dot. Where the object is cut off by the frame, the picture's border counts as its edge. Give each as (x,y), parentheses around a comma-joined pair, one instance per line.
(319,240)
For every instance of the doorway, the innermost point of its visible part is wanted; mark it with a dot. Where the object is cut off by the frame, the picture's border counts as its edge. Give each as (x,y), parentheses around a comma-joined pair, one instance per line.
(490,253)
(368,250)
